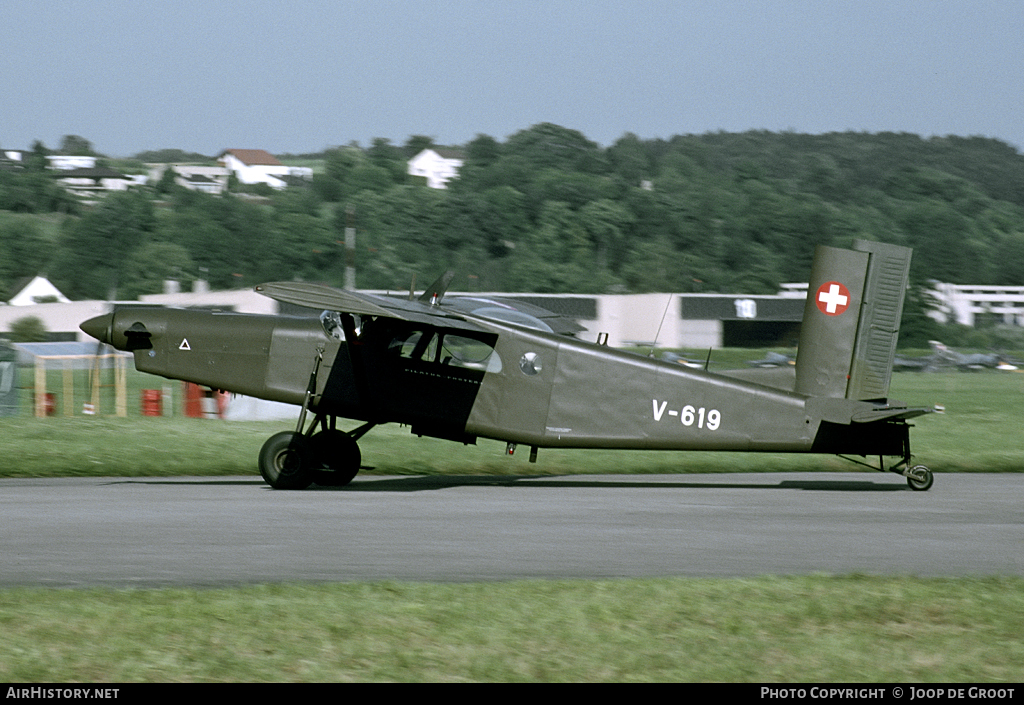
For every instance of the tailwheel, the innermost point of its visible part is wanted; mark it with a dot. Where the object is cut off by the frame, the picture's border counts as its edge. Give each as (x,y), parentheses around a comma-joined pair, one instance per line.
(286,461)
(919,478)
(336,458)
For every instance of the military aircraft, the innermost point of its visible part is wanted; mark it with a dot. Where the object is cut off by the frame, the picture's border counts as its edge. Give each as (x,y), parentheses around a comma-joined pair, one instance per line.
(945,356)
(669,356)
(462,368)
(772,359)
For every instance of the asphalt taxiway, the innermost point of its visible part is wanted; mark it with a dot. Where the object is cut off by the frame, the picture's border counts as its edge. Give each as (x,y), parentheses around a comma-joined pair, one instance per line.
(205,531)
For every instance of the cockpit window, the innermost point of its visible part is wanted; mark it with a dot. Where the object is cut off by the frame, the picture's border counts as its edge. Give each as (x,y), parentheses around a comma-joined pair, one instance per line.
(415,345)
(446,349)
(469,352)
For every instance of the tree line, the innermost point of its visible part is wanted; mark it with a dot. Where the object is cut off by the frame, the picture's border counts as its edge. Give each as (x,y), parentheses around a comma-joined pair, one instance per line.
(548,210)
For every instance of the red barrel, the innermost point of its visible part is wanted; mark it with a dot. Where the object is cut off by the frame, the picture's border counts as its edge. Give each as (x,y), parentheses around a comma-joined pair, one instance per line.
(152,402)
(192,394)
(202,402)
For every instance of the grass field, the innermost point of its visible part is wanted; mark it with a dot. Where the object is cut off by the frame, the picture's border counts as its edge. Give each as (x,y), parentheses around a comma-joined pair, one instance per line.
(770,629)
(767,629)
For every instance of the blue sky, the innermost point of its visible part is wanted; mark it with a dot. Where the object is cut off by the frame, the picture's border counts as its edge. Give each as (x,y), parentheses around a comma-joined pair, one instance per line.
(302,75)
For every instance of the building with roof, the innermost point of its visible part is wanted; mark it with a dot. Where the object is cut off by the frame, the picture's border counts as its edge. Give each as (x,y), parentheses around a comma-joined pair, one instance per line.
(257,166)
(12,160)
(963,303)
(68,162)
(437,165)
(37,290)
(208,179)
(84,182)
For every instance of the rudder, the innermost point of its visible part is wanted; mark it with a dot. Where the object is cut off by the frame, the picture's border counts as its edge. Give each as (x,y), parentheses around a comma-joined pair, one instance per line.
(851,320)
(888,275)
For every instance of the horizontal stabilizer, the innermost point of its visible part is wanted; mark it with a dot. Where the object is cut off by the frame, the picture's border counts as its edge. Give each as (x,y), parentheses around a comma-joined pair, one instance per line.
(889,413)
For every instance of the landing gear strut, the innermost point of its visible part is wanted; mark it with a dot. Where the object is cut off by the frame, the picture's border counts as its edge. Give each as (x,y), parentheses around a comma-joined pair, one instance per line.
(919,477)
(293,460)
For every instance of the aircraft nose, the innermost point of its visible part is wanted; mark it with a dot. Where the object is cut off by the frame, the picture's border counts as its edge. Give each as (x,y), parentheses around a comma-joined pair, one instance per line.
(99,327)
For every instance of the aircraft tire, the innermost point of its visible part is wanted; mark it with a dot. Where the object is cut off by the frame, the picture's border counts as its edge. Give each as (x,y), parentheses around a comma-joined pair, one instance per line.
(336,457)
(920,485)
(285,461)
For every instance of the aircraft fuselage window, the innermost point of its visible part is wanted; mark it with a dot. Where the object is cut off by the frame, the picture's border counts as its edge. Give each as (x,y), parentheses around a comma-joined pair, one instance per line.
(468,352)
(415,346)
(446,349)
(530,364)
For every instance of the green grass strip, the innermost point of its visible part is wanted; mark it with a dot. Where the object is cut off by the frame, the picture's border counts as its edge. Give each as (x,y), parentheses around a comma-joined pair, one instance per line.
(780,629)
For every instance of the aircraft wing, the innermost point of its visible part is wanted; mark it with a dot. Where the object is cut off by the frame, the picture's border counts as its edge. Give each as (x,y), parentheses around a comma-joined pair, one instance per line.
(428,309)
(322,297)
(319,296)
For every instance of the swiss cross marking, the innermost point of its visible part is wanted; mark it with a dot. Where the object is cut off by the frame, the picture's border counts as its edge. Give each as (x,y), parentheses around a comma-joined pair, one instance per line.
(832,298)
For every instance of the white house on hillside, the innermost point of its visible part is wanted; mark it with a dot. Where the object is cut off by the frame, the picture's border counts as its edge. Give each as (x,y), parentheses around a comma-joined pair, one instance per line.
(437,165)
(85,182)
(67,162)
(210,179)
(38,290)
(257,166)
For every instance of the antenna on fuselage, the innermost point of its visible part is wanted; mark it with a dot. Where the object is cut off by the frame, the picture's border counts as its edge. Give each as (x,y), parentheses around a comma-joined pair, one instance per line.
(658,334)
(435,292)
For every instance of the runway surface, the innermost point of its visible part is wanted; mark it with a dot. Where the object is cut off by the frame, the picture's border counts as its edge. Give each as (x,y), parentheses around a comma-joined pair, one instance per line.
(224,531)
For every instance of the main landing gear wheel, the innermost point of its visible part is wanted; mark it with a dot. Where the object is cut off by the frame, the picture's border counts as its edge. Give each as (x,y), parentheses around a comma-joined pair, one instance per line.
(286,461)
(919,478)
(336,458)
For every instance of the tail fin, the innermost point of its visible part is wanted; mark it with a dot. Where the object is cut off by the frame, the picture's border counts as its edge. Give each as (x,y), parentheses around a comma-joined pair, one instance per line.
(851,320)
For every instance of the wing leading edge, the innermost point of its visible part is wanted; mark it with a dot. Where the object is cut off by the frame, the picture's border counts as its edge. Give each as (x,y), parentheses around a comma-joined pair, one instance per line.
(323,297)
(429,309)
